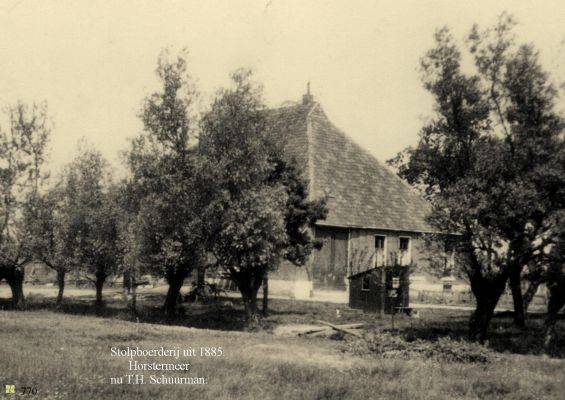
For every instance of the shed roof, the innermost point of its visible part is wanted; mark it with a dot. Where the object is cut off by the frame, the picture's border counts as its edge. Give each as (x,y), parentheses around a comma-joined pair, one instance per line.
(362,192)
(365,272)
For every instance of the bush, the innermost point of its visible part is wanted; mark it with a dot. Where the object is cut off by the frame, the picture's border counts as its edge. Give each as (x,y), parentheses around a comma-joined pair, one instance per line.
(444,349)
(447,349)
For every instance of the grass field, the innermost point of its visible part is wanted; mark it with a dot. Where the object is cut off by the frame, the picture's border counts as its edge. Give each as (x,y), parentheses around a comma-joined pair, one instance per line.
(65,353)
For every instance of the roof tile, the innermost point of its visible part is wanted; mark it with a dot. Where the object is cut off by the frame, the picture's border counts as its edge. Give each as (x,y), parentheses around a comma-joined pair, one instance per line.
(362,192)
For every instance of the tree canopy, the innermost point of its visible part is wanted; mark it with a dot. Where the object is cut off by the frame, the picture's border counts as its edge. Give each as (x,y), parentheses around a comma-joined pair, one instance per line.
(258,210)
(22,157)
(92,218)
(163,195)
(491,159)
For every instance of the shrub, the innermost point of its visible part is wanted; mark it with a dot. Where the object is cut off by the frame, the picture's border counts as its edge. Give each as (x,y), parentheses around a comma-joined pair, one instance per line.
(447,349)
(444,349)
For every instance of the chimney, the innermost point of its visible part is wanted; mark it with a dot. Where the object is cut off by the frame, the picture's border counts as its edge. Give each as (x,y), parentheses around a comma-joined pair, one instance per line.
(307,98)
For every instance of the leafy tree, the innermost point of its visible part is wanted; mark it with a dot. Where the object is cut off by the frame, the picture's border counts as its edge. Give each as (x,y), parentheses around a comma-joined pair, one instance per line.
(130,253)
(163,164)
(93,214)
(257,208)
(300,214)
(489,161)
(50,235)
(523,101)
(22,156)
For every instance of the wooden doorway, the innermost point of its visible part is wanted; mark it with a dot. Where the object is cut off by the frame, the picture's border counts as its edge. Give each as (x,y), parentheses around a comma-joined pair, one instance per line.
(330,262)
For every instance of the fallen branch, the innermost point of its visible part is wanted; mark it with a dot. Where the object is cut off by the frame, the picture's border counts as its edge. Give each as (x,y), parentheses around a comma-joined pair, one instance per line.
(315,330)
(340,329)
(327,328)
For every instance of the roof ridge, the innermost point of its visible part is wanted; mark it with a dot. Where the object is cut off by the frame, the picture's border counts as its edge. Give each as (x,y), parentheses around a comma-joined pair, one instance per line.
(313,107)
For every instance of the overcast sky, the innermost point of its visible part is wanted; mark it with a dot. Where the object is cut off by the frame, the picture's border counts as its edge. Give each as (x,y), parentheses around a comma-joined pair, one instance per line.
(94,61)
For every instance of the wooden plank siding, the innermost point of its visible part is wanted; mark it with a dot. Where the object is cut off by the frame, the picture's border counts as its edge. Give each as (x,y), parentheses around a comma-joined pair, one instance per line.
(372,290)
(347,252)
(329,264)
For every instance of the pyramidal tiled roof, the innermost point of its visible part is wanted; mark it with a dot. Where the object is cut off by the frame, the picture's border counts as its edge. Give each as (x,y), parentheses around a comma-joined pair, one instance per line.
(362,192)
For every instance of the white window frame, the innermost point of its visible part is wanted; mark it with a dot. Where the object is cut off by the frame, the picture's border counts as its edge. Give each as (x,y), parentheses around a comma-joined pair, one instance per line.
(384,250)
(449,257)
(408,252)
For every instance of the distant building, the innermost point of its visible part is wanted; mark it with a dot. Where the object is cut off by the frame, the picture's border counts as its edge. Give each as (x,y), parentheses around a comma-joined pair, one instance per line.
(374,219)
(447,283)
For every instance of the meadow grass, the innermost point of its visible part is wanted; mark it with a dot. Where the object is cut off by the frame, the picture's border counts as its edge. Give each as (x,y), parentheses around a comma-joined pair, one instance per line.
(66,355)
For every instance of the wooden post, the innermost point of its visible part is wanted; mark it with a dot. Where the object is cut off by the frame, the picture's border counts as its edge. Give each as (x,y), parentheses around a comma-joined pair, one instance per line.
(382,271)
(133,285)
(266,293)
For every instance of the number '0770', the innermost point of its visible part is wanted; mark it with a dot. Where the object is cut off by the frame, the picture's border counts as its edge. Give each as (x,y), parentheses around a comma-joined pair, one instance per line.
(29,390)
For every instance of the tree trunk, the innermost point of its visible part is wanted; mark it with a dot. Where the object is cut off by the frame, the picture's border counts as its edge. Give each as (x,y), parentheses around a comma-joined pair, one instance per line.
(248,286)
(250,303)
(266,293)
(531,292)
(61,284)
(175,279)
(556,302)
(516,287)
(16,281)
(201,279)
(133,286)
(100,279)
(127,281)
(487,293)
(173,294)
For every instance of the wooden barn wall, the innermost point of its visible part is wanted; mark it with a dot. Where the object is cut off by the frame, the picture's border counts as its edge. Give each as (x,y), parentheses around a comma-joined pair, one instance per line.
(362,247)
(329,264)
(345,252)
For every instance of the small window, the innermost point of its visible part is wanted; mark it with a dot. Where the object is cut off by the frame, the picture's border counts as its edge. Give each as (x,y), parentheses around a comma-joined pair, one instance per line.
(404,244)
(366,283)
(379,243)
(405,258)
(449,255)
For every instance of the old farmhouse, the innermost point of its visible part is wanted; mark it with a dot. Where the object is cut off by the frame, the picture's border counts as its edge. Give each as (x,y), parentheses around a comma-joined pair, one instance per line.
(374,219)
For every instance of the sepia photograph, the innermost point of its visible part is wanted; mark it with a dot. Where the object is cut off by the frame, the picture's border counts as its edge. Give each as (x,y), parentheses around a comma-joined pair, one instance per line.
(282,199)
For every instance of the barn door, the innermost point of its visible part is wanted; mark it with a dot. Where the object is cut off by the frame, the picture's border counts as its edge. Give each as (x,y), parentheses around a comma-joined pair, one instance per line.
(330,262)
